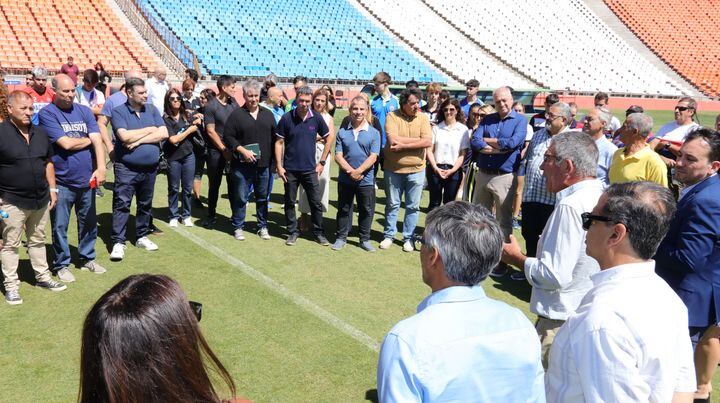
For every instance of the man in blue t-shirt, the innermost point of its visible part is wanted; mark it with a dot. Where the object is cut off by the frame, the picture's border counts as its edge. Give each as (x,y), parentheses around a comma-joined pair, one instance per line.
(79,161)
(384,102)
(138,129)
(471,98)
(295,157)
(356,150)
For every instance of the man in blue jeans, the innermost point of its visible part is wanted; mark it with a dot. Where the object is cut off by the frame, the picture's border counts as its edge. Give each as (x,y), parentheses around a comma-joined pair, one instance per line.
(138,130)
(408,135)
(297,134)
(78,148)
(249,134)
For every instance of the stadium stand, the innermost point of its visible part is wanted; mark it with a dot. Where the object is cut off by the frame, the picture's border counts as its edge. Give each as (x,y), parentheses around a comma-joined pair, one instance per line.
(45,32)
(326,39)
(683,35)
(439,41)
(563,46)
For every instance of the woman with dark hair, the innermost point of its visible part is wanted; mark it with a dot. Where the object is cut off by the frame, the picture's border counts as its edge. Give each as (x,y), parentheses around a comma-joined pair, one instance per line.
(449,145)
(206,96)
(476,114)
(103,78)
(178,150)
(141,343)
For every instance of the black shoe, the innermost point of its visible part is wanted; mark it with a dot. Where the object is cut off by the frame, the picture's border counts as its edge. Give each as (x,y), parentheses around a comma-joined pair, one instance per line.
(155,230)
(322,240)
(209,222)
(196,203)
(292,239)
(499,271)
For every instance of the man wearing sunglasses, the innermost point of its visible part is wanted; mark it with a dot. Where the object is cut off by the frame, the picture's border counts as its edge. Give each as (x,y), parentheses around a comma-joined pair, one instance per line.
(668,140)
(628,340)
(560,274)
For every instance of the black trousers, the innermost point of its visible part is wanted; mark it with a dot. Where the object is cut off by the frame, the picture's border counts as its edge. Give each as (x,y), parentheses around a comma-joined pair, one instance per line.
(309,181)
(365,197)
(215,170)
(442,190)
(534,218)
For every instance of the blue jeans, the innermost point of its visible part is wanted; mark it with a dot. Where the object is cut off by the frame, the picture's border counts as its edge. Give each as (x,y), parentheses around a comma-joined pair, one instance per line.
(243,176)
(397,184)
(181,171)
(129,182)
(84,202)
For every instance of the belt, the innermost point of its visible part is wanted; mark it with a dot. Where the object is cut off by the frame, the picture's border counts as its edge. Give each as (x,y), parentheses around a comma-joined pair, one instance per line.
(492,171)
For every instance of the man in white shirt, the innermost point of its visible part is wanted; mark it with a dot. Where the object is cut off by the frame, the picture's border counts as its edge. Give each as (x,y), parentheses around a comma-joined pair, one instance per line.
(602,100)
(560,272)
(668,140)
(628,340)
(87,95)
(461,345)
(157,87)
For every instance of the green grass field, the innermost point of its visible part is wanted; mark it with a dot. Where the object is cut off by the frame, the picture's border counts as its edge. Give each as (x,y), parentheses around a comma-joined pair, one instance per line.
(299,323)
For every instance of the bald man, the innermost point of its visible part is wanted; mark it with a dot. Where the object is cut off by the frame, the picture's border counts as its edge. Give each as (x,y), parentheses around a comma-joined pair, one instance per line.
(79,161)
(157,87)
(274,102)
(496,146)
(27,194)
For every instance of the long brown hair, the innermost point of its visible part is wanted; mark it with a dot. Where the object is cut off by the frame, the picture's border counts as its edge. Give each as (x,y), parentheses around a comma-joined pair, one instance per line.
(459,115)
(141,343)
(4,115)
(168,105)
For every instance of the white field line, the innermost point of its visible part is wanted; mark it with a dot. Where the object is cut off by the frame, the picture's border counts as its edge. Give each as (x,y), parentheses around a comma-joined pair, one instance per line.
(283,291)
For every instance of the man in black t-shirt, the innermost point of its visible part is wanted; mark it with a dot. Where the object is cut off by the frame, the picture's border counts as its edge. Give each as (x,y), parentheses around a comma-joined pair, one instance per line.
(249,134)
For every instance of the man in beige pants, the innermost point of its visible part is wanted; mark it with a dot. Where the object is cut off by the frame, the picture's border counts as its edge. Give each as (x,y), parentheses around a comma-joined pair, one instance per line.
(27,194)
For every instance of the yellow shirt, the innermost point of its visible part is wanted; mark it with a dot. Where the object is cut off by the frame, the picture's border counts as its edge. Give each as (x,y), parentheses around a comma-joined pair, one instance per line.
(644,165)
(400,125)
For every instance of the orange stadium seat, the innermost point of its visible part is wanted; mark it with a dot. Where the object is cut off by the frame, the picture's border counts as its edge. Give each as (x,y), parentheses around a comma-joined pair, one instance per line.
(51,30)
(683,35)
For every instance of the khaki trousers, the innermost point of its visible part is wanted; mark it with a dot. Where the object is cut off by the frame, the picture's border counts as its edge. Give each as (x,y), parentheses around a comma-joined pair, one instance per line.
(33,222)
(497,193)
(547,329)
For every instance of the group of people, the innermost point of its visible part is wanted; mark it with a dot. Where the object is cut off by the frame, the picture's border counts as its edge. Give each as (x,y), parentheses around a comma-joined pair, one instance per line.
(598,205)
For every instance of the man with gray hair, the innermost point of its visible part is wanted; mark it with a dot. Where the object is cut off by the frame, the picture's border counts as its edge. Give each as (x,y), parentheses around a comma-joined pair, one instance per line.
(157,87)
(628,340)
(38,90)
(461,345)
(560,274)
(297,134)
(537,202)
(637,161)
(595,123)
(249,134)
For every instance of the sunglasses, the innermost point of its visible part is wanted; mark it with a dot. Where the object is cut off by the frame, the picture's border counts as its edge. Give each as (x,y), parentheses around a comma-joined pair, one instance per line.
(197,309)
(683,108)
(588,218)
(174,98)
(449,110)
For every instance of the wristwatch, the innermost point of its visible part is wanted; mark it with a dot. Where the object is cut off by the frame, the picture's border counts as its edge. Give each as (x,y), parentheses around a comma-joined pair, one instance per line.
(322,162)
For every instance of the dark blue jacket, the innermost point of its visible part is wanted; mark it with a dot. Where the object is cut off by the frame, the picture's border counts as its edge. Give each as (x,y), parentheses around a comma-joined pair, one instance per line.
(689,256)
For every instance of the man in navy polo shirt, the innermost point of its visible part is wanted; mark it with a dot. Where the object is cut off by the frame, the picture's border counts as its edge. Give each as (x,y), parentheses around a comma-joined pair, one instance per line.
(295,156)
(356,150)
(496,146)
(76,141)
(138,130)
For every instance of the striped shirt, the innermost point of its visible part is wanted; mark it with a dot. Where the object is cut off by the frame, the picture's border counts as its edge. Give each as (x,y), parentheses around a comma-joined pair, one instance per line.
(628,341)
(534,188)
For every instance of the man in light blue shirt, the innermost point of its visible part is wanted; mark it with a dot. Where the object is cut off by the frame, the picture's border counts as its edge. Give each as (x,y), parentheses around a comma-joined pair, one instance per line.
(461,345)
(596,121)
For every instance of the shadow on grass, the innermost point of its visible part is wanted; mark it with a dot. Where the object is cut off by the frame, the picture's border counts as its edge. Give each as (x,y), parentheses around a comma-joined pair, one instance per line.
(372,395)
(519,289)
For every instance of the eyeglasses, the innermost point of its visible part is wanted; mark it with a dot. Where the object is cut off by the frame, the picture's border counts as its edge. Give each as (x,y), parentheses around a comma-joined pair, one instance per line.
(588,218)
(174,99)
(197,309)
(683,108)
(449,110)
(549,116)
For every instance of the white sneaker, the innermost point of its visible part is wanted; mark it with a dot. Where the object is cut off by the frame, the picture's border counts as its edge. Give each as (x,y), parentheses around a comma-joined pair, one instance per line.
(264,234)
(146,243)
(239,235)
(386,243)
(118,252)
(173,223)
(65,275)
(187,221)
(408,246)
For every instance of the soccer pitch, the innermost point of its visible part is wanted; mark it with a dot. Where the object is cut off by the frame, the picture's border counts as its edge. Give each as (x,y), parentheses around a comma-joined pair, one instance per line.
(300,323)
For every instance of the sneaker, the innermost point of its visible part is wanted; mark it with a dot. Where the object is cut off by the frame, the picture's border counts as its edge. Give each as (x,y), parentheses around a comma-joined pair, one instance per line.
(93,267)
(264,234)
(386,243)
(516,223)
(499,271)
(146,243)
(339,244)
(154,230)
(173,223)
(322,240)
(209,222)
(187,221)
(408,246)
(239,235)
(118,252)
(518,276)
(51,285)
(65,276)
(13,298)
(291,240)
(367,246)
